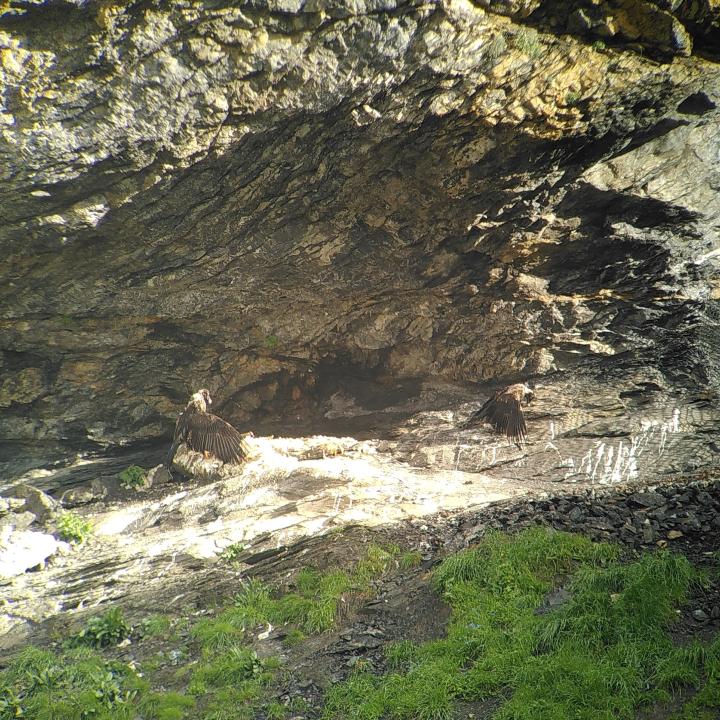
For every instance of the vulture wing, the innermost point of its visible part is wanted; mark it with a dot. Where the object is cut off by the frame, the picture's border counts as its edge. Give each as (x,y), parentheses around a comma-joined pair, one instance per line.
(180,435)
(504,413)
(204,432)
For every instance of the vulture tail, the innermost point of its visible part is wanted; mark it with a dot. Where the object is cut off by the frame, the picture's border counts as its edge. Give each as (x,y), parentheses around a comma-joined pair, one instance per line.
(171,453)
(476,418)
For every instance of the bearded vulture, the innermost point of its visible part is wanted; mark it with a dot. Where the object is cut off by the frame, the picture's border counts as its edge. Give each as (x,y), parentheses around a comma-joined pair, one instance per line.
(206,433)
(504,412)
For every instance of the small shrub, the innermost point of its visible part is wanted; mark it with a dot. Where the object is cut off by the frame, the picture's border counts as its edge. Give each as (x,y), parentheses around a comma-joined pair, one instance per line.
(572,98)
(232,552)
(528,42)
(598,46)
(133,477)
(271,342)
(73,528)
(107,629)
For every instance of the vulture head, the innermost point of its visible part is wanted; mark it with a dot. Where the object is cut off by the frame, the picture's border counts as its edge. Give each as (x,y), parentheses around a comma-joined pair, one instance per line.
(201,400)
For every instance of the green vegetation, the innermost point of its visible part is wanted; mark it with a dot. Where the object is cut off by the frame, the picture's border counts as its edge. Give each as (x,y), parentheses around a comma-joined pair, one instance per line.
(232,552)
(528,41)
(554,625)
(599,46)
(230,680)
(155,626)
(409,560)
(234,668)
(600,655)
(271,342)
(311,608)
(572,98)
(133,477)
(704,705)
(73,528)
(80,684)
(224,677)
(107,629)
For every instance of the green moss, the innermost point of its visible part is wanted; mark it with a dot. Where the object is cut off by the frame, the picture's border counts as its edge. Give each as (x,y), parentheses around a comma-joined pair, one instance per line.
(73,528)
(600,655)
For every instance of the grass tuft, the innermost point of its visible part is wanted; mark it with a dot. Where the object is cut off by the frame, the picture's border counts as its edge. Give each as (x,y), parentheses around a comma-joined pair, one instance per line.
(231,667)
(527,40)
(314,604)
(572,98)
(155,626)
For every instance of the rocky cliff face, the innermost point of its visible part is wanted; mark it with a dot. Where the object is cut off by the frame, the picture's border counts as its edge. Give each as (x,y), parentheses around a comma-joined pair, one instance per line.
(270,199)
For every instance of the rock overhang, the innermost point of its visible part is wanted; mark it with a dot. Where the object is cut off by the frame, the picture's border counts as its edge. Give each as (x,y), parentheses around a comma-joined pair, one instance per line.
(250,197)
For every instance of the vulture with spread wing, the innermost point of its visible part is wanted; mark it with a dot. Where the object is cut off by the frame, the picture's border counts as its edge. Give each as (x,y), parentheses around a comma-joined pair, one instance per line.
(207,433)
(504,412)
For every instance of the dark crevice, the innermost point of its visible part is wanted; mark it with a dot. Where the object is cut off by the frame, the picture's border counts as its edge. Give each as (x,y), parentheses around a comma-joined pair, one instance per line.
(696,104)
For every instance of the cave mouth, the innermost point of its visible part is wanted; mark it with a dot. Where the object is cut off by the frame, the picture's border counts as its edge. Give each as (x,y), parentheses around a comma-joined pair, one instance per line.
(339,396)
(324,277)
